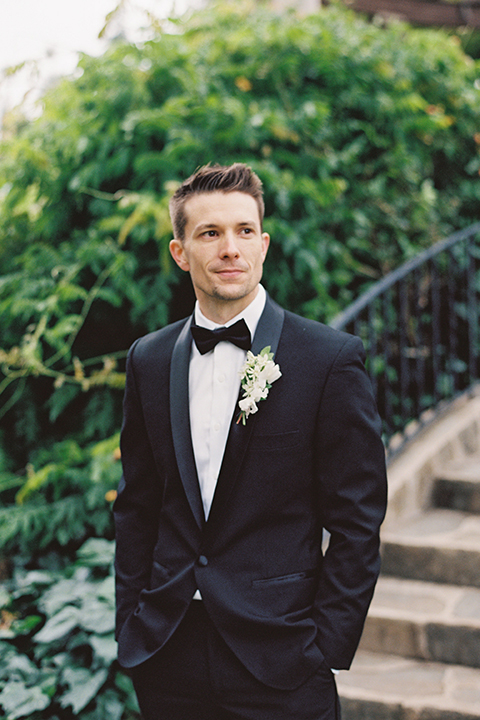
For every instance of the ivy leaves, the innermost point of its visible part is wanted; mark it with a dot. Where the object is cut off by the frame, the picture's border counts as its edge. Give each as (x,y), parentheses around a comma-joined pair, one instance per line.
(69,663)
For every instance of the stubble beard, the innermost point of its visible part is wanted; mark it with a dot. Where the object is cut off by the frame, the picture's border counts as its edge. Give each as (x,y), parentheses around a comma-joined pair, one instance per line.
(234,292)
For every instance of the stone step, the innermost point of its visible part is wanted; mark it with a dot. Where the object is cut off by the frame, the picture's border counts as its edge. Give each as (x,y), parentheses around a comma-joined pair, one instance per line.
(458,485)
(427,621)
(437,546)
(387,687)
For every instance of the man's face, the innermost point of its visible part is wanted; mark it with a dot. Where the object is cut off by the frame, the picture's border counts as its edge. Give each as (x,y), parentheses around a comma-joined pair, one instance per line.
(223,250)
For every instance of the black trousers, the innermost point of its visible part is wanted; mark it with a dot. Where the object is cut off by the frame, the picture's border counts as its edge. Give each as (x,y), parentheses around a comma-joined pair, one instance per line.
(197,677)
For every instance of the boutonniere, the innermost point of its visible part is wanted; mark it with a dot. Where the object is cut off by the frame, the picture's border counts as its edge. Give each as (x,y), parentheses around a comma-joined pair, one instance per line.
(257,375)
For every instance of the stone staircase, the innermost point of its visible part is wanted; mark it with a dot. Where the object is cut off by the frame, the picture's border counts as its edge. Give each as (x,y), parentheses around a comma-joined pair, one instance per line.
(419,658)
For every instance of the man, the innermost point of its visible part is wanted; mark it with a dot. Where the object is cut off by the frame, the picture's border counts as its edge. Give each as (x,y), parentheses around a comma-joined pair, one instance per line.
(227,607)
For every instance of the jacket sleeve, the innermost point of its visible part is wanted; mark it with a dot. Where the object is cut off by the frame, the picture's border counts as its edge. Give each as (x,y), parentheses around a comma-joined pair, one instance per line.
(137,506)
(350,466)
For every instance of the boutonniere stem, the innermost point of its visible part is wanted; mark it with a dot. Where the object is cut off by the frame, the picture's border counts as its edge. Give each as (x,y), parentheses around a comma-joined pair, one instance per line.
(257,375)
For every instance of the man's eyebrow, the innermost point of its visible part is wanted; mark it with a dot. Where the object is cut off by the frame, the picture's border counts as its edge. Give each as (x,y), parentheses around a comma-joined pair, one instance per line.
(206,226)
(214,226)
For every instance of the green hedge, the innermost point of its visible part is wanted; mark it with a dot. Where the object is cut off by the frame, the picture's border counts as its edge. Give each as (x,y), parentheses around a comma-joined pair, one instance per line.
(62,501)
(367,140)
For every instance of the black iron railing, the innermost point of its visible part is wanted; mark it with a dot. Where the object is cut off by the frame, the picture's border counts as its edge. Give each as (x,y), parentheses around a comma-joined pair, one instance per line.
(419,326)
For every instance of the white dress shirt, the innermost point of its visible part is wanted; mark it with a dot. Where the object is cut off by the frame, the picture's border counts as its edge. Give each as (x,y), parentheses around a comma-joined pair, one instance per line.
(214,384)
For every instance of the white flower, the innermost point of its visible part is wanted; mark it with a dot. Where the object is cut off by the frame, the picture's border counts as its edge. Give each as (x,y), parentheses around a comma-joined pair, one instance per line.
(257,375)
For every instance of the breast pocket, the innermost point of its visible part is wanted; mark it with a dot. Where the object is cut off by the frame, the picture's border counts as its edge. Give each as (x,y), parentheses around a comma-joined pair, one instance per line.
(276,441)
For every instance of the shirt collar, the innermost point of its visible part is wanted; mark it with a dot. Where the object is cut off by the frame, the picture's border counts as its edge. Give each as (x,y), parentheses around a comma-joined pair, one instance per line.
(251,314)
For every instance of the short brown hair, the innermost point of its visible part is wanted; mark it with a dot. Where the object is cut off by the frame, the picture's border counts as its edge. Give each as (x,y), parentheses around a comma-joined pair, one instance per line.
(214,178)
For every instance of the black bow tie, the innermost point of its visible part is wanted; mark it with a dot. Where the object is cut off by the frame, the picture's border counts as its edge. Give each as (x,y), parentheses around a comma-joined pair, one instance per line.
(238,334)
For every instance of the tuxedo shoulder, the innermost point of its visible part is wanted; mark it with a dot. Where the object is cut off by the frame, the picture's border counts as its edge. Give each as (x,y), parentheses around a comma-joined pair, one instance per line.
(313,332)
(158,341)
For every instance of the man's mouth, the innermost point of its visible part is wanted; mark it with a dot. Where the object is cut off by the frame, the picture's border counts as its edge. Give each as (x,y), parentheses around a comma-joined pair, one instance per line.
(229,272)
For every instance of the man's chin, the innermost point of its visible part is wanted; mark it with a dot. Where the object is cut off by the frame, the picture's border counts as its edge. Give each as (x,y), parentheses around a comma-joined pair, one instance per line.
(232,293)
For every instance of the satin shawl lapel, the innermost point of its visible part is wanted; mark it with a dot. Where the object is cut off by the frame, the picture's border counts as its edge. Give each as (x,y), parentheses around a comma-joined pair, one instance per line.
(180,419)
(268,332)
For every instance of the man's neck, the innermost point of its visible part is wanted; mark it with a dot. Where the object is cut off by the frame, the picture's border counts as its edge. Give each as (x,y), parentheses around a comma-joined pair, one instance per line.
(251,313)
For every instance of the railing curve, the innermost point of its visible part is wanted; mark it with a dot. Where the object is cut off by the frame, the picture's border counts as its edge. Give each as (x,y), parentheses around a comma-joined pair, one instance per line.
(419,325)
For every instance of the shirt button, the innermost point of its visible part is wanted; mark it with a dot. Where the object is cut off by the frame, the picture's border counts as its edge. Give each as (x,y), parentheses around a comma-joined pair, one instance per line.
(203,561)
(221,378)
(216,427)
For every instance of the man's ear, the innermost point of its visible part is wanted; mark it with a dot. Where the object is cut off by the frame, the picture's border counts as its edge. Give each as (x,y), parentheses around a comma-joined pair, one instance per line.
(177,251)
(265,244)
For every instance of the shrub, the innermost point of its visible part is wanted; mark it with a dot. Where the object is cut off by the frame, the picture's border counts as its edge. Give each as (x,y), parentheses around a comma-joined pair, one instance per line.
(65,499)
(57,647)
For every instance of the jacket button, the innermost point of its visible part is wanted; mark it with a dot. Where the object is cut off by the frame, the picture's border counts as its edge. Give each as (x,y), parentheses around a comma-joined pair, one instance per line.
(202,560)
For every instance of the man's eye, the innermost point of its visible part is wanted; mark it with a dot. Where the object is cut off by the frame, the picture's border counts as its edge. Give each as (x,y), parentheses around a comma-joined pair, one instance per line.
(210,233)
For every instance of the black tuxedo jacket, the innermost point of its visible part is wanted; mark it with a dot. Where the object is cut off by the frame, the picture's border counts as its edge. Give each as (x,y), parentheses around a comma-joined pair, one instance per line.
(310,458)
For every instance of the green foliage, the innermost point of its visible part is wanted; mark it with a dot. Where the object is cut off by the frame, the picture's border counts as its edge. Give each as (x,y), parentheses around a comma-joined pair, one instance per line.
(57,647)
(64,499)
(366,139)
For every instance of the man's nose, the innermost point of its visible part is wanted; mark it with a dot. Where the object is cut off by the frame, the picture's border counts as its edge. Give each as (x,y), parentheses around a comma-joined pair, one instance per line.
(229,247)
